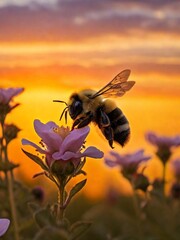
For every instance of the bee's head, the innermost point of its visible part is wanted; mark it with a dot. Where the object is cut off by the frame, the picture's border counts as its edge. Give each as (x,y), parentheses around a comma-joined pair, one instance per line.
(75,106)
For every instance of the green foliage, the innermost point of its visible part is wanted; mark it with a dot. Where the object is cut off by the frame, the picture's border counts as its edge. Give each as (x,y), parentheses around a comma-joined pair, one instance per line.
(78,228)
(26,223)
(49,232)
(36,159)
(76,189)
(43,217)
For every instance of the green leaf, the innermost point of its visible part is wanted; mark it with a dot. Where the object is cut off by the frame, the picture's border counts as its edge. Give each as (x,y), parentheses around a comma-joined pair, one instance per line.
(81,172)
(44,217)
(78,228)
(76,189)
(36,159)
(53,233)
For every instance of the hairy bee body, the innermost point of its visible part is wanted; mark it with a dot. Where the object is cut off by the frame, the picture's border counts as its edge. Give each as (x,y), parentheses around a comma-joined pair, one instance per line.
(89,106)
(119,125)
(103,112)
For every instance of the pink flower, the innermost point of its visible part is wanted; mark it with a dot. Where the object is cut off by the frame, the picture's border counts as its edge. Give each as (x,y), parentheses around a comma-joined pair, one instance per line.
(128,162)
(163,144)
(4,224)
(6,95)
(176,168)
(163,141)
(61,144)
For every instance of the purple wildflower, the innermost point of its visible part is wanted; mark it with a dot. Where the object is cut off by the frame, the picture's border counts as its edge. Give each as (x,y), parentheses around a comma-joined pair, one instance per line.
(164,145)
(61,144)
(128,162)
(4,224)
(10,132)
(6,95)
(163,141)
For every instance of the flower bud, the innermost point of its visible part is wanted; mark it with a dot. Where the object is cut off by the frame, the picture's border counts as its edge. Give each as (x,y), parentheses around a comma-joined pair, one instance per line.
(62,169)
(10,132)
(164,153)
(38,193)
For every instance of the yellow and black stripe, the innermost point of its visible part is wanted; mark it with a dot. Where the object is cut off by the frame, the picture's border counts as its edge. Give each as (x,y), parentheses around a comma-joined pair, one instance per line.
(120,126)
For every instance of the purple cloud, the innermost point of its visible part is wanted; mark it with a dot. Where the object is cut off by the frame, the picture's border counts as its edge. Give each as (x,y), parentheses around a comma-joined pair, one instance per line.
(78,20)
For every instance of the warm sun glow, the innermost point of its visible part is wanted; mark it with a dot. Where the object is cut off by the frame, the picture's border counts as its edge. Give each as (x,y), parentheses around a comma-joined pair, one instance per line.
(52,55)
(143,113)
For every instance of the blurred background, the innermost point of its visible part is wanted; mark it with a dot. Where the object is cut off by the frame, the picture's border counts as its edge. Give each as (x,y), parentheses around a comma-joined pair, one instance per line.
(55,47)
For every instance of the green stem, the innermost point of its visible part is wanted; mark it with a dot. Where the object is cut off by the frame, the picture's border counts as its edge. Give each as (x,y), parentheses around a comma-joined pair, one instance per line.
(164,178)
(61,209)
(137,213)
(1,142)
(12,205)
(9,179)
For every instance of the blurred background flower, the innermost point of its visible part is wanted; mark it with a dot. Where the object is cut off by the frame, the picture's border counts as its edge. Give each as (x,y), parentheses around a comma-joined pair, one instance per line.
(7,95)
(4,224)
(163,141)
(127,162)
(6,101)
(164,145)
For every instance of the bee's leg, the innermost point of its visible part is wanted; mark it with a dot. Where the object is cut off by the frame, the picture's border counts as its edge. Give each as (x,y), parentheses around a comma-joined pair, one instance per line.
(105,126)
(85,121)
(76,122)
(108,133)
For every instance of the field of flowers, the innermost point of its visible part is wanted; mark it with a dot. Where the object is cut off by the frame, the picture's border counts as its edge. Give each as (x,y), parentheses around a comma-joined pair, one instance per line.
(150,213)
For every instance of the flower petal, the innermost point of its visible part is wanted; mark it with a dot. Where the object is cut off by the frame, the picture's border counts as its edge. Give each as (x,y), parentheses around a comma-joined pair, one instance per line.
(93,152)
(27,142)
(66,156)
(49,137)
(8,94)
(110,163)
(74,140)
(41,127)
(127,161)
(152,138)
(177,141)
(119,159)
(163,141)
(4,224)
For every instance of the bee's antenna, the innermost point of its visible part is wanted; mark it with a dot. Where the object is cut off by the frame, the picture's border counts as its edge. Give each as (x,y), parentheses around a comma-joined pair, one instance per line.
(64,111)
(66,116)
(60,101)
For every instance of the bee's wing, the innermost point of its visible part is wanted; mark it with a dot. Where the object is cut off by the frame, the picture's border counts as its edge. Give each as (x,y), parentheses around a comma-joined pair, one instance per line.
(116,87)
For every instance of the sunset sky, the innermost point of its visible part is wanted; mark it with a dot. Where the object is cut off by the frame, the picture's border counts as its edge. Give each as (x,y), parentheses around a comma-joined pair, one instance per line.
(53,48)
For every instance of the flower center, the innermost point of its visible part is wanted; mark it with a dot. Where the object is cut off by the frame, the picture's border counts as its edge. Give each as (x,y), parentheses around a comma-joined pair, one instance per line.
(62,131)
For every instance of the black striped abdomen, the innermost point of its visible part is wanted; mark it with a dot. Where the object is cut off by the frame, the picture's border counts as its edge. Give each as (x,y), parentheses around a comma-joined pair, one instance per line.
(120,126)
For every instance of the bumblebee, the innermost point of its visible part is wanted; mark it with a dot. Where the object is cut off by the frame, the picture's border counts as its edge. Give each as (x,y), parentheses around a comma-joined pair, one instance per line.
(89,106)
